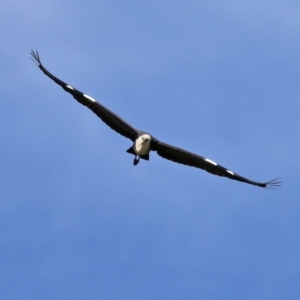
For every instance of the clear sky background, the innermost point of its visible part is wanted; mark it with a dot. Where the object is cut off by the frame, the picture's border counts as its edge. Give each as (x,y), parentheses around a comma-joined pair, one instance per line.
(219,78)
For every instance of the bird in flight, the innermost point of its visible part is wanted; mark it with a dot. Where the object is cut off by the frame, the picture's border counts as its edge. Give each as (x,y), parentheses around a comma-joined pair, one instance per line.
(144,142)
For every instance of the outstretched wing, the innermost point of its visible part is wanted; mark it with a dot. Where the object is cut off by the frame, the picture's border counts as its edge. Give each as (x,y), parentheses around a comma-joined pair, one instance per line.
(190,159)
(107,116)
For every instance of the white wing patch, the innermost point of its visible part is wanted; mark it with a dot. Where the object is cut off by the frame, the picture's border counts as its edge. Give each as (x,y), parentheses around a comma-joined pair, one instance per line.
(69,87)
(230,172)
(89,97)
(210,161)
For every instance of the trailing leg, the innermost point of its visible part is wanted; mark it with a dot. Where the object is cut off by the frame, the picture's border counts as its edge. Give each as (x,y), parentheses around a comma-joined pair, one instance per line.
(136,160)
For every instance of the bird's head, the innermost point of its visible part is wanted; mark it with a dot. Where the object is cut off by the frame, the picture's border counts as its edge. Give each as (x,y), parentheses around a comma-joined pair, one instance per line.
(145,138)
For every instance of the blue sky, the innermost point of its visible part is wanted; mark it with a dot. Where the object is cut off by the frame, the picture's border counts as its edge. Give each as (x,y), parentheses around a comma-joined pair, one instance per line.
(78,221)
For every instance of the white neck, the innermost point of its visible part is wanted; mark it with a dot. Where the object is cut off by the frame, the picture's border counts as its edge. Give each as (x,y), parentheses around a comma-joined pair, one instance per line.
(142,144)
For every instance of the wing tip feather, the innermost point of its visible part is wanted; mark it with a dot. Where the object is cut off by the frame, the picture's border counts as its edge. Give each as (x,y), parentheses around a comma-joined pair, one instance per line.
(272,184)
(35,57)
